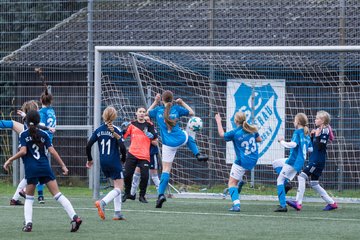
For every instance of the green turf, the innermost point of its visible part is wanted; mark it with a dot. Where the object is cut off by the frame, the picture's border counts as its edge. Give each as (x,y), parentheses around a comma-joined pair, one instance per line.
(182,219)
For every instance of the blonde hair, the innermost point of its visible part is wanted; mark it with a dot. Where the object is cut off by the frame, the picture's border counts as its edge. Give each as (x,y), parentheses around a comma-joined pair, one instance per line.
(168,98)
(303,121)
(109,114)
(30,105)
(325,116)
(240,119)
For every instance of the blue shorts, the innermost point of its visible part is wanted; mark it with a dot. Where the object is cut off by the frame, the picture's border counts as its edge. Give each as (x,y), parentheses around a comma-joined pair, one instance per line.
(313,171)
(154,161)
(113,173)
(41,180)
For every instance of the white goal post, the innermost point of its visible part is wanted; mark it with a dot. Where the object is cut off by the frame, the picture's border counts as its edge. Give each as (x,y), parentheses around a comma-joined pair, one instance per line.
(294,61)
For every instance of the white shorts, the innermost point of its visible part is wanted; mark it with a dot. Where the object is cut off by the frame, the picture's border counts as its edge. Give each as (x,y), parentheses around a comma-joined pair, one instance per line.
(288,172)
(279,162)
(237,172)
(168,153)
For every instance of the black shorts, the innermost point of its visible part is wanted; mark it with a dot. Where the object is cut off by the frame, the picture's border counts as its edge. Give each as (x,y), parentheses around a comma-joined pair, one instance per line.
(313,171)
(41,180)
(154,161)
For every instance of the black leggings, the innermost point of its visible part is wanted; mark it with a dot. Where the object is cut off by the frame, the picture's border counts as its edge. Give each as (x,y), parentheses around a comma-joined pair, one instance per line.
(131,163)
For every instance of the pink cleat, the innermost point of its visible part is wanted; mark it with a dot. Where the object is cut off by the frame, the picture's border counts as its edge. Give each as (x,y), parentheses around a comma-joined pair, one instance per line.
(330,207)
(295,205)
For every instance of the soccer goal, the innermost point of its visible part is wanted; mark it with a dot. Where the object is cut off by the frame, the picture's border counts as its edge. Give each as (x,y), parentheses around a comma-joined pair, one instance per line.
(270,84)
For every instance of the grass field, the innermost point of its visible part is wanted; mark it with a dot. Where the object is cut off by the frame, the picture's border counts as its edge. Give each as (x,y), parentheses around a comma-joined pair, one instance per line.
(180,219)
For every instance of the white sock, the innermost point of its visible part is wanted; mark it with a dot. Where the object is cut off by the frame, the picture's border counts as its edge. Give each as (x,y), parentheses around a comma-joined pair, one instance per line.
(117,203)
(111,195)
(301,189)
(19,188)
(135,183)
(155,179)
(28,209)
(66,204)
(324,195)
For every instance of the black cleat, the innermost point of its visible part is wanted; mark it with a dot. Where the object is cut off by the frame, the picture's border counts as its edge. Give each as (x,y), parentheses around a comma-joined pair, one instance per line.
(281,209)
(288,187)
(14,202)
(27,227)
(128,196)
(75,223)
(202,157)
(159,202)
(143,199)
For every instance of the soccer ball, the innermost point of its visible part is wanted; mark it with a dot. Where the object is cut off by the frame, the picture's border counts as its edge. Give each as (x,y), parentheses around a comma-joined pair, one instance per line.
(195,124)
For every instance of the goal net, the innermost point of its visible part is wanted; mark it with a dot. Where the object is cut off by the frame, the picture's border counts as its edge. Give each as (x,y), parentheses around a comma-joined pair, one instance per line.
(270,86)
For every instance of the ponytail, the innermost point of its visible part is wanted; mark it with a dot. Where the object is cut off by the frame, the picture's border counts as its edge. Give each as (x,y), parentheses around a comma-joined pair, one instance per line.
(167,98)
(249,128)
(32,120)
(46,97)
(303,121)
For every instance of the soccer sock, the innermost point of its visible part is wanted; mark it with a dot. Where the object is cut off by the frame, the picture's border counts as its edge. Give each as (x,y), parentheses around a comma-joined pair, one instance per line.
(135,183)
(322,192)
(66,204)
(28,208)
(117,203)
(6,124)
(19,188)
(301,189)
(165,176)
(40,189)
(192,145)
(155,179)
(111,195)
(240,185)
(281,195)
(233,191)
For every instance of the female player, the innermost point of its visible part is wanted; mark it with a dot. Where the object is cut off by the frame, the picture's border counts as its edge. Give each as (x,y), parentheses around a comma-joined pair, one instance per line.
(141,134)
(109,139)
(299,144)
(172,136)
(244,138)
(319,138)
(34,144)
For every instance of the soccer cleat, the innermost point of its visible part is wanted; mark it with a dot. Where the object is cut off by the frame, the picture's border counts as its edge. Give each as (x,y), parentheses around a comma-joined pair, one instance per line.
(75,223)
(202,157)
(14,202)
(101,209)
(288,187)
(27,227)
(118,216)
(235,208)
(281,209)
(161,199)
(330,207)
(22,193)
(295,205)
(143,199)
(131,197)
(41,199)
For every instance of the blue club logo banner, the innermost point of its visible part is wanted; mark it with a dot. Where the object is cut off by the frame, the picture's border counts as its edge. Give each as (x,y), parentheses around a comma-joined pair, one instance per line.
(263,102)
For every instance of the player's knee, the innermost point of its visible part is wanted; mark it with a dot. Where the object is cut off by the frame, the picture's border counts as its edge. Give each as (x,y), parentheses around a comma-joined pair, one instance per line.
(314,184)
(302,177)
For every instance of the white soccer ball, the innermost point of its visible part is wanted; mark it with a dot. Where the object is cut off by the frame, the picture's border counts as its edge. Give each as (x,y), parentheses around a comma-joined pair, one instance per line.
(195,124)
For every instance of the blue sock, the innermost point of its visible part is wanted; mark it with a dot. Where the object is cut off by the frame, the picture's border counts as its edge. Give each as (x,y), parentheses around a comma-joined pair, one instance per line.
(192,145)
(240,185)
(233,191)
(40,189)
(164,180)
(281,195)
(6,124)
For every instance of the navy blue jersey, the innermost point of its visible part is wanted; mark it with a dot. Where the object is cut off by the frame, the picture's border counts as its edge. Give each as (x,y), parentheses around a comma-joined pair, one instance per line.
(245,145)
(108,146)
(318,156)
(36,162)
